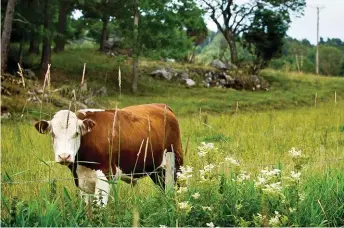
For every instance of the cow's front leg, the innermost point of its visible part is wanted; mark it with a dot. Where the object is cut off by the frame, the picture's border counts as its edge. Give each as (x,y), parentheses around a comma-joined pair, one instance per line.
(102,188)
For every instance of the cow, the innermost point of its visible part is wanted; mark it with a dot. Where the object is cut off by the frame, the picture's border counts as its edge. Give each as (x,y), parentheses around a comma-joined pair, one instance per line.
(100,145)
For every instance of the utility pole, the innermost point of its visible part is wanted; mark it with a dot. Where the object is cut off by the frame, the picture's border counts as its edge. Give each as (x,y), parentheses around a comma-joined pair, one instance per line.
(317,51)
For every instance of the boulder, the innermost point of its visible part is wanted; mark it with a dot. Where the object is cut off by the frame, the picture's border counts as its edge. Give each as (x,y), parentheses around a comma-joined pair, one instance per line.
(102,92)
(231,66)
(28,73)
(219,64)
(189,82)
(89,102)
(163,73)
(184,75)
(170,60)
(5,114)
(81,105)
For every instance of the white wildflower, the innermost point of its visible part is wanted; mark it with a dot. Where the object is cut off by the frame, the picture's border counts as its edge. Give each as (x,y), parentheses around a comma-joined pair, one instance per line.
(232,161)
(295,175)
(182,190)
(273,188)
(210,224)
(185,173)
(206,208)
(185,206)
(204,173)
(294,153)
(238,206)
(196,195)
(292,210)
(162,226)
(302,196)
(275,221)
(205,148)
(243,176)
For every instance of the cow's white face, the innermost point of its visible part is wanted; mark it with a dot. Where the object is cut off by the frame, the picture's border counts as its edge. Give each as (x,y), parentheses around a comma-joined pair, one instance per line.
(66,130)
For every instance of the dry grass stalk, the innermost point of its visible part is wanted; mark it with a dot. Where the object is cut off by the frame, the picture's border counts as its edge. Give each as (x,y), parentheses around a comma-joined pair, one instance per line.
(237,107)
(83,75)
(47,78)
(315,99)
(20,72)
(335,97)
(119,81)
(145,157)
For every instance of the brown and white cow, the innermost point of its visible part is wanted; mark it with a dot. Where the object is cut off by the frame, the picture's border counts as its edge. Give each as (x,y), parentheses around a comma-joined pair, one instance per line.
(96,144)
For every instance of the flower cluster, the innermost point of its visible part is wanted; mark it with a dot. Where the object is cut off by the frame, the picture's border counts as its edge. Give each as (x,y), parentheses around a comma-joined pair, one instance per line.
(232,161)
(295,153)
(185,206)
(185,173)
(205,148)
(275,221)
(243,176)
(269,181)
(206,172)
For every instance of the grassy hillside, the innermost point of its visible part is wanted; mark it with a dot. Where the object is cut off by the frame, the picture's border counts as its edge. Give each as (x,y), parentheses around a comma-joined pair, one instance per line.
(288,90)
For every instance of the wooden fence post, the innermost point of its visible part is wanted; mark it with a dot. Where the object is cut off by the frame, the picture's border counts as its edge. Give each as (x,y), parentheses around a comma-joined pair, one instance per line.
(169,176)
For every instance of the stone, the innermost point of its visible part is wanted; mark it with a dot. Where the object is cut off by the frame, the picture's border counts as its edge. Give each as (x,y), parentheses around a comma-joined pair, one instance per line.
(184,76)
(89,102)
(101,92)
(219,64)
(81,105)
(189,82)
(170,60)
(28,73)
(231,66)
(162,73)
(222,82)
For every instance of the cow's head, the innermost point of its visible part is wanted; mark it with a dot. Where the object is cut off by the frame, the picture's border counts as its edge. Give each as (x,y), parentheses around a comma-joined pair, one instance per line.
(66,130)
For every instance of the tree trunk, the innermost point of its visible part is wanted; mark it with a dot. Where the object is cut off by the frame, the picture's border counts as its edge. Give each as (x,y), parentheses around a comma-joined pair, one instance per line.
(104,32)
(61,27)
(232,46)
(136,50)
(6,34)
(34,45)
(20,52)
(46,47)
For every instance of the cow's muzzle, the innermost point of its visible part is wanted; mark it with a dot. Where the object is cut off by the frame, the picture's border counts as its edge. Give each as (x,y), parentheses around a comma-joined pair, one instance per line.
(64,159)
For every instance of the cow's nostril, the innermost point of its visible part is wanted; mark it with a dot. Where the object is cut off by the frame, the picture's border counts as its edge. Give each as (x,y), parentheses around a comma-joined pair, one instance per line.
(68,157)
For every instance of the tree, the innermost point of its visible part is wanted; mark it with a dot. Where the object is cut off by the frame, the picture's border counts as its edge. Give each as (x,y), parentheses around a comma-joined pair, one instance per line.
(237,18)
(47,37)
(103,10)
(65,8)
(6,34)
(264,37)
(136,49)
(331,60)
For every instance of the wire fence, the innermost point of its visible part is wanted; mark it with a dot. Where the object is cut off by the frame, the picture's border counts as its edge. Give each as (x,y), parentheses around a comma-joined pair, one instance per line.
(112,177)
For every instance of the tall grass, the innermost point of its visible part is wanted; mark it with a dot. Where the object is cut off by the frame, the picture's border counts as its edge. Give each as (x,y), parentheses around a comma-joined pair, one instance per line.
(257,140)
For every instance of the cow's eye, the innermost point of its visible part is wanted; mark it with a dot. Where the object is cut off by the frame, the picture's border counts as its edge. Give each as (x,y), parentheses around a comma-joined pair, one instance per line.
(53,135)
(75,135)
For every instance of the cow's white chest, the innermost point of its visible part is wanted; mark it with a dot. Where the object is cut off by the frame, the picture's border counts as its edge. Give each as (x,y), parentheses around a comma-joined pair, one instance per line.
(86,178)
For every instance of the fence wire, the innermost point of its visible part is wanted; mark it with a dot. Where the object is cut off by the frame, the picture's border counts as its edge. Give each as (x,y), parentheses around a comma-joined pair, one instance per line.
(112,177)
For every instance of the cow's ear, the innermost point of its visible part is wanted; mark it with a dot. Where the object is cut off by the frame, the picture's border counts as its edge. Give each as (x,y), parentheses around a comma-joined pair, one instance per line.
(43,126)
(86,126)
